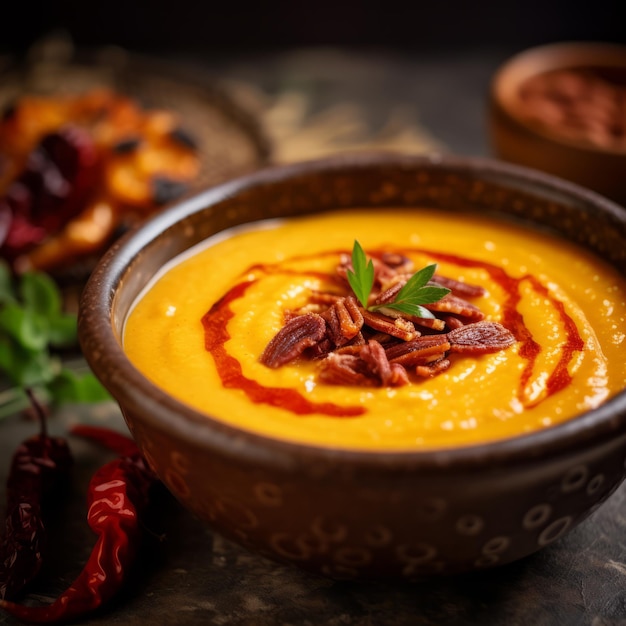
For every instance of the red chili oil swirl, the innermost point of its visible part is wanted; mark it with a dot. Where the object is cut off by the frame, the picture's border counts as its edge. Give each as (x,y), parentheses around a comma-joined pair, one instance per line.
(512,319)
(216,334)
(215,323)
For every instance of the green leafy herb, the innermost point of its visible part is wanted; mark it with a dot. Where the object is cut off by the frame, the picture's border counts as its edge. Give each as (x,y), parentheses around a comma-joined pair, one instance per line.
(416,292)
(33,326)
(362,278)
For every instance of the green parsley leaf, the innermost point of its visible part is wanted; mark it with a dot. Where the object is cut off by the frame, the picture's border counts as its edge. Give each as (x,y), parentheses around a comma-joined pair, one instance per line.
(6,287)
(71,387)
(39,294)
(62,331)
(32,326)
(362,278)
(24,326)
(415,293)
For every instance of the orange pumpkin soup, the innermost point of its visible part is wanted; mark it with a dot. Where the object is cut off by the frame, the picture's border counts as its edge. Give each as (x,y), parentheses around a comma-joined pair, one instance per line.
(201,327)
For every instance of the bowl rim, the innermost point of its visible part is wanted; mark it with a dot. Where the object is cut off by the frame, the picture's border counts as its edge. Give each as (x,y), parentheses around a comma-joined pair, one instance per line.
(133,391)
(505,83)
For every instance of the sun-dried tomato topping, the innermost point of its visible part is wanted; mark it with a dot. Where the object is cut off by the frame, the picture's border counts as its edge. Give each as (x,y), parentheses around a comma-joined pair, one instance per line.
(399,376)
(358,346)
(452,322)
(345,369)
(344,320)
(389,294)
(480,338)
(419,351)
(293,338)
(398,327)
(433,323)
(400,263)
(457,306)
(432,369)
(369,367)
(322,297)
(376,360)
(458,288)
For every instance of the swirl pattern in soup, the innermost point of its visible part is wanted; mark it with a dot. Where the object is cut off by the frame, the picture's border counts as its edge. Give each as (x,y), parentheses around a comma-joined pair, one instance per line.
(199,329)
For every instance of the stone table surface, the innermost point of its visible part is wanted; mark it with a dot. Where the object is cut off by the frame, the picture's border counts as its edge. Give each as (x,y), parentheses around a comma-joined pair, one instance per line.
(188,575)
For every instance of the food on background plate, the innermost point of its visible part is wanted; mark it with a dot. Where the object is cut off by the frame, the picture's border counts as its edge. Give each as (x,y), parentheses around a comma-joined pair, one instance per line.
(531,335)
(577,104)
(76,169)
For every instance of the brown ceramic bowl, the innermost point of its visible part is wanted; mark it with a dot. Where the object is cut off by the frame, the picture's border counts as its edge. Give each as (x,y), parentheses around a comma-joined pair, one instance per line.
(560,108)
(350,513)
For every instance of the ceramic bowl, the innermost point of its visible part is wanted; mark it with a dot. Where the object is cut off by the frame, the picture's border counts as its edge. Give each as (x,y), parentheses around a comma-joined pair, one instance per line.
(350,513)
(560,108)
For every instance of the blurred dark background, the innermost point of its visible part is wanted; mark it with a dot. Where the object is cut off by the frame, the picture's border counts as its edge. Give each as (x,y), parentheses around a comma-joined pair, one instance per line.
(244,25)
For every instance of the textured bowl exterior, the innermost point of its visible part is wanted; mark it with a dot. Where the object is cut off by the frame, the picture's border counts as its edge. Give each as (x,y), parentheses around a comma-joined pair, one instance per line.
(351,514)
(513,139)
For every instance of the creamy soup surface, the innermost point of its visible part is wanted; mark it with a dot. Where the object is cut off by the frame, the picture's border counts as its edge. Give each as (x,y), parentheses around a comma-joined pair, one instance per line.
(247,278)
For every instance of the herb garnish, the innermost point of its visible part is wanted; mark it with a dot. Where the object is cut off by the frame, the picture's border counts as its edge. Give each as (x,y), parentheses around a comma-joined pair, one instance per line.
(416,292)
(33,328)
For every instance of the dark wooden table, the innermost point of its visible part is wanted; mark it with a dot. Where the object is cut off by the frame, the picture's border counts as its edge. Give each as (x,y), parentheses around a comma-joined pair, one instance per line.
(189,575)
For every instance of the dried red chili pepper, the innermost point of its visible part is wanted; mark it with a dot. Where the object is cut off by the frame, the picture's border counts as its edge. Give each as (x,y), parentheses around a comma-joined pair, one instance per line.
(39,467)
(118,493)
(118,443)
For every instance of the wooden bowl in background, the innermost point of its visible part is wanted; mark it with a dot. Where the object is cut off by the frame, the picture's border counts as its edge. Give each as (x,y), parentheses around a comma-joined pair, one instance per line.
(553,140)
